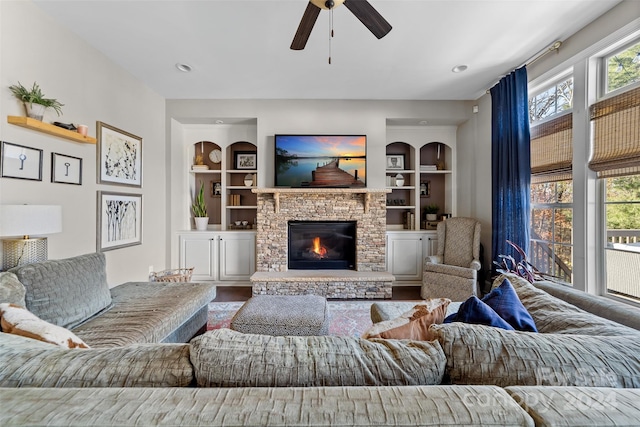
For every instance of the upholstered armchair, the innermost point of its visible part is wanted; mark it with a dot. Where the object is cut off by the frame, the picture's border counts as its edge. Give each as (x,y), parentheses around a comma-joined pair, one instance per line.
(453,272)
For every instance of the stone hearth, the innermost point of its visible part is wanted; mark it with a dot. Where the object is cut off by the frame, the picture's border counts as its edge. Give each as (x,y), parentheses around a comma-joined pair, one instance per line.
(278,206)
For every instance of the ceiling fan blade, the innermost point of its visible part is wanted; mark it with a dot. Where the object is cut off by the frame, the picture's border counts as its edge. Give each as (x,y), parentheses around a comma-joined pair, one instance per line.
(306,25)
(370,17)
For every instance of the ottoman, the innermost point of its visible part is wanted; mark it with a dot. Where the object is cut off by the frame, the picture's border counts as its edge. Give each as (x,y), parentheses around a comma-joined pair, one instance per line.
(282,315)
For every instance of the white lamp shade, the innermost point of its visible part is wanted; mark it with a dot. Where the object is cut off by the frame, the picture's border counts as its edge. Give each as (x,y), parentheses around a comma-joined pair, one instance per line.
(23,220)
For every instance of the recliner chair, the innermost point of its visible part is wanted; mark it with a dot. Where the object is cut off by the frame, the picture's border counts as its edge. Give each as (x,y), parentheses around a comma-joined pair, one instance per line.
(453,272)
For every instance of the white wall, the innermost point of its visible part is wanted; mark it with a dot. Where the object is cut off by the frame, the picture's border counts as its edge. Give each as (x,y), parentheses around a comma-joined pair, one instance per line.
(33,47)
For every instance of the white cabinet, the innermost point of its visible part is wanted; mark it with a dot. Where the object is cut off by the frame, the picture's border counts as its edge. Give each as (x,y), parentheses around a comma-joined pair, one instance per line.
(219,256)
(237,256)
(406,251)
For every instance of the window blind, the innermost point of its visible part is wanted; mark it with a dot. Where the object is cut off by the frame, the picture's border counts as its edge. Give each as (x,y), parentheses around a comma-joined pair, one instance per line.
(552,150)
(616,135)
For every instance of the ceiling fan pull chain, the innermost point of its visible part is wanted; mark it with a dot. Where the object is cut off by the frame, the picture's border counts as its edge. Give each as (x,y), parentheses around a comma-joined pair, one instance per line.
(330,32)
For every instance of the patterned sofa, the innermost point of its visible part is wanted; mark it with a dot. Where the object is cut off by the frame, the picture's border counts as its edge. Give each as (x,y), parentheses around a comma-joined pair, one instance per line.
(580,370)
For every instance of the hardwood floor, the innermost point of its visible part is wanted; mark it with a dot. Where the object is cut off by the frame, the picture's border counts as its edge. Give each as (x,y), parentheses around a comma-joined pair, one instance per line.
(243,293)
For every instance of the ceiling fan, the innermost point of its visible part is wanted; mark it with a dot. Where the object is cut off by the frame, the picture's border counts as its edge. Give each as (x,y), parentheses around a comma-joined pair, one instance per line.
(362,9)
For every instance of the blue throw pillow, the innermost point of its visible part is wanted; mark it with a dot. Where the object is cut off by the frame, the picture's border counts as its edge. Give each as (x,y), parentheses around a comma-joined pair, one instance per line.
(504,301)
(475,311)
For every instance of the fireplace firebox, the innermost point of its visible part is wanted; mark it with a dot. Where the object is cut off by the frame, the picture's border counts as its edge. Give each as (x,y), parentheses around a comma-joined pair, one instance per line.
(322,245)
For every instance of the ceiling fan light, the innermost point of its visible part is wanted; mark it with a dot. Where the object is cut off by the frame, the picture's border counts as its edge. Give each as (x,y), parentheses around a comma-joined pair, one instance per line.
(322,4)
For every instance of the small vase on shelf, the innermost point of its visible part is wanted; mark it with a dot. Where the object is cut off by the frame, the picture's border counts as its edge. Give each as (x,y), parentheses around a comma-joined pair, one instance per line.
(201,222)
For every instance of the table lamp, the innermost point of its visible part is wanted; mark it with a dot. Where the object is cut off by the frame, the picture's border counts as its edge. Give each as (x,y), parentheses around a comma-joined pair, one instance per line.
(27,220)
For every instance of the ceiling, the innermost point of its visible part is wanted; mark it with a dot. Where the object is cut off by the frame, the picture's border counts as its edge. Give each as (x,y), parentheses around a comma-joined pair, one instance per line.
(239,49)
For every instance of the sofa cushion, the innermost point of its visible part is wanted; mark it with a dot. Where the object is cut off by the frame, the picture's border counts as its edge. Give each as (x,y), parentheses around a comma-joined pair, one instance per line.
(475,311)
(477,354)
(66,292)
(413,324)
(226,358)
(11,290)
(284,406)
(504,300)
(552,315)
(146,312)
(19,321)
(579,406)
(29,363)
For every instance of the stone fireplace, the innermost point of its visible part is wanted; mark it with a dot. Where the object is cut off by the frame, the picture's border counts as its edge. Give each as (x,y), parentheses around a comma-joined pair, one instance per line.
(365,208)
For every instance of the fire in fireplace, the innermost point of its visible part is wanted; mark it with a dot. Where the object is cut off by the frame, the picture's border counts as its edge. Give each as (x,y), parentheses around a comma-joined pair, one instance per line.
(322,245)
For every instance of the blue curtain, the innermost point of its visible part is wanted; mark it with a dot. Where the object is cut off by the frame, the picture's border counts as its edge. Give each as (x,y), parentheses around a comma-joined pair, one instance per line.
(511,164)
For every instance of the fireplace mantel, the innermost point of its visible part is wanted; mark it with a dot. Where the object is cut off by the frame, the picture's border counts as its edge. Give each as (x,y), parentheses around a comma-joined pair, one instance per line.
(277,191)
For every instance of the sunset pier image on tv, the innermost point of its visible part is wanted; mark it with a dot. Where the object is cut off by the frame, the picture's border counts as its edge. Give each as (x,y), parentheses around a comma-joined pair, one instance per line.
(320,160)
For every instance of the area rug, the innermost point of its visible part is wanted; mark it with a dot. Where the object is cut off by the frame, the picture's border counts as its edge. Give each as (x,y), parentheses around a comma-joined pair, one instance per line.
(346,318)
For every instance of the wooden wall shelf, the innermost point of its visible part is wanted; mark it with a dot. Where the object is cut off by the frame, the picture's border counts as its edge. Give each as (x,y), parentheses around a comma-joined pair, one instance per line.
(39,126)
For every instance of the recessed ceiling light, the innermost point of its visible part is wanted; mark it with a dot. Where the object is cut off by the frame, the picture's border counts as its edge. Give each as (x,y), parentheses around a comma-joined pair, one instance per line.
(459,68)
(184,67)
(422,122)
(219,122)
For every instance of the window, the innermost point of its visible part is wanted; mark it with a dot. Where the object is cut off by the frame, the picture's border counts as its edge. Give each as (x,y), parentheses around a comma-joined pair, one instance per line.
(552,100)
(622,251)
(551,245)
(551,249)
(615,157)
(622,68)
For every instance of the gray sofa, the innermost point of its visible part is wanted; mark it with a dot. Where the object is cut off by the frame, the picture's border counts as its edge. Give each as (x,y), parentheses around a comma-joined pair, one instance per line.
(580,370)
(74,293)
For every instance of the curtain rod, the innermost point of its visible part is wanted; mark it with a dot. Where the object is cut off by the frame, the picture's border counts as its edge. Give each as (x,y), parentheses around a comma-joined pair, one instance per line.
(553,47)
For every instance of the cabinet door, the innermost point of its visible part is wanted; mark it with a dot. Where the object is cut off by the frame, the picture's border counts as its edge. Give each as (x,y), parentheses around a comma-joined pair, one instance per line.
(200,252)
(237,256)
(404,256)
(430,244)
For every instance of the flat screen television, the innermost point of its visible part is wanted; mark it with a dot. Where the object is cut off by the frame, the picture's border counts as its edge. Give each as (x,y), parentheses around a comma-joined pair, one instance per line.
(334,161)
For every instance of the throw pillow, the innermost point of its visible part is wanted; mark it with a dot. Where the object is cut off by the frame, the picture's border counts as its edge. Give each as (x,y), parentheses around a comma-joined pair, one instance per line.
(413,324)
(11,290)
(504,300)
(19,321)
(66,292)
(473,310)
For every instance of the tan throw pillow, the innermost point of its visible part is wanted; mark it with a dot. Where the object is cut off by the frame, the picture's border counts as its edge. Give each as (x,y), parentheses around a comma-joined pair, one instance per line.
(19,321)
(414,324)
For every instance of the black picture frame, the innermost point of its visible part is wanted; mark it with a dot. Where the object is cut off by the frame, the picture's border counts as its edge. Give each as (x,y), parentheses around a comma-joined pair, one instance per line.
(395,161)
(245,160)
(66,169)
(20,162)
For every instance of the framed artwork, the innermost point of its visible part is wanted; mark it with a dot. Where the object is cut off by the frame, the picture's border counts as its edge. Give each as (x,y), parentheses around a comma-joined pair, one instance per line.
(119,156)
(21,162)
(245,160)
(119,220)
(66,169)
(395,161)
(425,189)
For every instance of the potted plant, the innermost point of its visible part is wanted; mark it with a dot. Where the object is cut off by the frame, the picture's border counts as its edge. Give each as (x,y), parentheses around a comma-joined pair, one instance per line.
(431,212)
(199,208)
(34,101)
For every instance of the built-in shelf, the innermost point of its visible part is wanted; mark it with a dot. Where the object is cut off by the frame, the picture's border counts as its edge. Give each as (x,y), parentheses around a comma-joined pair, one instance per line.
(50,129)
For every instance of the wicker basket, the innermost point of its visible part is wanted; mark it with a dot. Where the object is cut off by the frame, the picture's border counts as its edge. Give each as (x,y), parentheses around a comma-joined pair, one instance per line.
(175,275)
